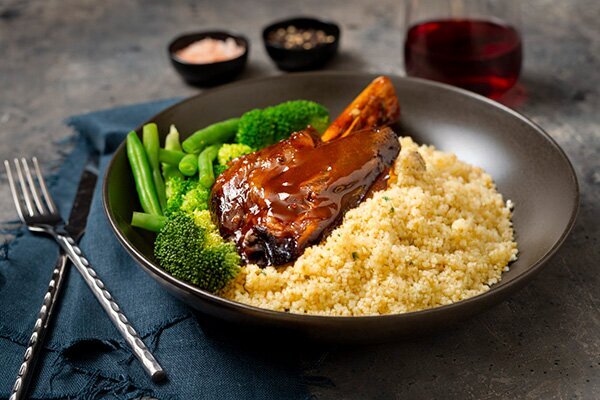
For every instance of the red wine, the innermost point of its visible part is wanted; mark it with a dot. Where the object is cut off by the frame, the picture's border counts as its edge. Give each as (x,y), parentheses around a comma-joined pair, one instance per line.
(482,56)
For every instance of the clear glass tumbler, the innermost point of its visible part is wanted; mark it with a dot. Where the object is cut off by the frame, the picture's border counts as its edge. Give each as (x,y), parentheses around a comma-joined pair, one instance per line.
(473,44)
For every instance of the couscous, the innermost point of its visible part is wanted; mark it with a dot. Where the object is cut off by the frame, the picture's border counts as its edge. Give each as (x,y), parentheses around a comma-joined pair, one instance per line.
(438,234)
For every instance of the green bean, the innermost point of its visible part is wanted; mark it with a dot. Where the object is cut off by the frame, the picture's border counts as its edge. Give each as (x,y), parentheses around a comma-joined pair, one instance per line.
(170,157)
(161,189)
(206,175)
(221,132)
(189,165)
(148,222)
(172,144)
(151,144)
(142,175)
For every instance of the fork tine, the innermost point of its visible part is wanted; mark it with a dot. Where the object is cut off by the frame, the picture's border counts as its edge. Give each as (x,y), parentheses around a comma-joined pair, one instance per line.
(40,178)
(23,185)
(13,190)
(34,191)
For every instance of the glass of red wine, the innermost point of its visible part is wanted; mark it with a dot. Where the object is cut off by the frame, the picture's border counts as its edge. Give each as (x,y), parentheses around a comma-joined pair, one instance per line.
(473,44)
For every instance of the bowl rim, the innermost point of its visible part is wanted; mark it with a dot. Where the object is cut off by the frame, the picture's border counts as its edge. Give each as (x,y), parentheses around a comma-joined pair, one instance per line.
(337,33)
(236,36)
(495,290)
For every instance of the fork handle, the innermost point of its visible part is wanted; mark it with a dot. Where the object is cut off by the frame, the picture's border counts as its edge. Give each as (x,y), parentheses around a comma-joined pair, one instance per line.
(36,340)
(111,307)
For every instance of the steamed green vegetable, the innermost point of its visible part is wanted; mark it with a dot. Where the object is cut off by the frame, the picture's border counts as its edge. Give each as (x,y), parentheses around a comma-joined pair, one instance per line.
(142,175)
(172,144)
(170,157)
(186,195)
(172,139)
(261,128)
(177,187)
(195,199)
(229,151)
(191,249)
(221,132)
(148,222)
(189,165)
(188,245)
(206,175)
(151,144)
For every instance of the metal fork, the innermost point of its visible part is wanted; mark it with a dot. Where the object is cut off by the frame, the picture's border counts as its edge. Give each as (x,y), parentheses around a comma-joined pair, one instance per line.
(37,210)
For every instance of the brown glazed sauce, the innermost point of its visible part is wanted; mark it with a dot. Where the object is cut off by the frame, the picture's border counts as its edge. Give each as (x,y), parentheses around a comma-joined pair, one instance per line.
(275,202)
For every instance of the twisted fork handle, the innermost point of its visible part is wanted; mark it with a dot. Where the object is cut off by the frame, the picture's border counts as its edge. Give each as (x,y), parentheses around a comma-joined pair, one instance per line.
(39,330)
(110,306)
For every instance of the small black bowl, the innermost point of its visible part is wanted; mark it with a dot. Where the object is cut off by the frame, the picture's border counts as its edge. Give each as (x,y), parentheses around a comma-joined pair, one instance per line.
(208,74)
(302,59)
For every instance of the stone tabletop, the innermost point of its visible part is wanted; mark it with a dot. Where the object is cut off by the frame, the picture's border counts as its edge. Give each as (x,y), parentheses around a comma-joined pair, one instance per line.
(66,57)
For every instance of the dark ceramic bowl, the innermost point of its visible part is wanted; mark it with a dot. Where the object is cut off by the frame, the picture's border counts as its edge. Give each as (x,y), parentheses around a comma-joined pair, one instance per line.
(208,74)
(527,165)
(301,59)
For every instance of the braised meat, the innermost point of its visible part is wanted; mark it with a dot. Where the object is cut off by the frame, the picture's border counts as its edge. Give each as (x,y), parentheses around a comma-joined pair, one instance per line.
(277,201)
(377,105)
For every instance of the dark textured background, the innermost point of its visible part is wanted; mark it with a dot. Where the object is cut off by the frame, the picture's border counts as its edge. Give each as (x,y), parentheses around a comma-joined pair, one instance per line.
(59,58)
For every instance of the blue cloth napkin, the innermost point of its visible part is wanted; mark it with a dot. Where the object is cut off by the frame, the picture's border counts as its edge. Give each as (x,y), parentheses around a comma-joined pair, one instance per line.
(84,356)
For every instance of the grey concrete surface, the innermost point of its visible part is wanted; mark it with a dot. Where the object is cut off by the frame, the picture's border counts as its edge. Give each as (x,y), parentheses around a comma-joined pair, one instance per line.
(59,58)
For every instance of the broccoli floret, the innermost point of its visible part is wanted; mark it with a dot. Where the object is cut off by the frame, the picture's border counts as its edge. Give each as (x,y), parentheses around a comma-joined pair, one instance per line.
(255,129)
(229,151)
(292,116)
(195,199)
(261,128)
(176,187)
(189,248)
(185,195)
(204,219)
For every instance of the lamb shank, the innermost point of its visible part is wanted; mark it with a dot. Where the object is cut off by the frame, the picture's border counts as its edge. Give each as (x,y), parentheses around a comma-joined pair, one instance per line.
(275,202)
